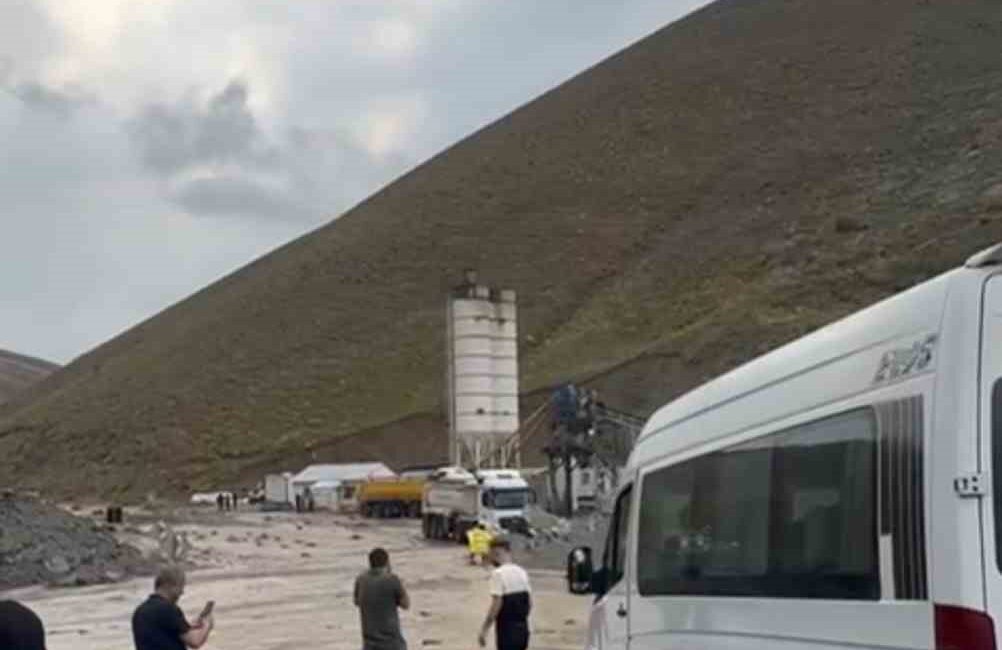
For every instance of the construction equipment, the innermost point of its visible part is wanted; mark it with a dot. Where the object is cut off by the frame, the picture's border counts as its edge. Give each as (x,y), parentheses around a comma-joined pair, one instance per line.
(586,432)
(391,498)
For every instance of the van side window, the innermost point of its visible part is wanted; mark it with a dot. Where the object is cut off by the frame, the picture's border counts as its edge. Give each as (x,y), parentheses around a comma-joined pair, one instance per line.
(792,515)
(614,558)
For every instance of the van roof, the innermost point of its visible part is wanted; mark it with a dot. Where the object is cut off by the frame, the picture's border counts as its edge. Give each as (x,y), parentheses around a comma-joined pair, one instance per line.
(917,310)
(991,256)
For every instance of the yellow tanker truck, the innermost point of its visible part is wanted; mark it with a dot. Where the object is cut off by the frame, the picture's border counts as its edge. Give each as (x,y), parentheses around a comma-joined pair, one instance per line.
(395,497)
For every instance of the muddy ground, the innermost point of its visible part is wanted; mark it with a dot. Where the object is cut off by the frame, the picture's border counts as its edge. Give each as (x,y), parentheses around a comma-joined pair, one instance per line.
(283,581)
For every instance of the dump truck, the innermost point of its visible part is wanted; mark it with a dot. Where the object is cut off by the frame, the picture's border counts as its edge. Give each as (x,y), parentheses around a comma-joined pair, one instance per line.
(455,499)
(391,497)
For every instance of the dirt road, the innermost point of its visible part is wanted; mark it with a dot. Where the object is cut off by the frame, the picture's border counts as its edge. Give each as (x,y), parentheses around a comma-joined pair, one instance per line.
(284,582)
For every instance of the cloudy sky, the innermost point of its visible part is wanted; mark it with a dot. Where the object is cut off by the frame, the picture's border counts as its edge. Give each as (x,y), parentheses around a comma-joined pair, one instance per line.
(149,148)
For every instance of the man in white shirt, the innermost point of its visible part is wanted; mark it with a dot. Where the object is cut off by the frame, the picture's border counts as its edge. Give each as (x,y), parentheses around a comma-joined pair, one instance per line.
(510,601)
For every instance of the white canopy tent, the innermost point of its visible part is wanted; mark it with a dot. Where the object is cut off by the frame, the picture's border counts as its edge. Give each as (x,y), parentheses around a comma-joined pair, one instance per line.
(345,478)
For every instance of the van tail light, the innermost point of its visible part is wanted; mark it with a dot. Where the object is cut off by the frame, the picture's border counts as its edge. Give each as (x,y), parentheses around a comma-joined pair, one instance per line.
(959,628)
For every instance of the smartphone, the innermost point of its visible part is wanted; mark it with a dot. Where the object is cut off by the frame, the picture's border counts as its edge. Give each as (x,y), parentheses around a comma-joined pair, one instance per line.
(206,610)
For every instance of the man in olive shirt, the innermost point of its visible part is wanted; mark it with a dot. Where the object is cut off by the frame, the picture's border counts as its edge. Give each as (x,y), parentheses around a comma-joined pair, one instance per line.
(378,594)
(159,624)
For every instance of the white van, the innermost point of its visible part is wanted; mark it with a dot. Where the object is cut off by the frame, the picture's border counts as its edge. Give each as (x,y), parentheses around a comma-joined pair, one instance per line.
(844,491)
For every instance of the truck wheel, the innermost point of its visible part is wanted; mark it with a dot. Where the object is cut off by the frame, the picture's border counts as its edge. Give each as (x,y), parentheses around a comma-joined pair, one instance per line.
(414,509)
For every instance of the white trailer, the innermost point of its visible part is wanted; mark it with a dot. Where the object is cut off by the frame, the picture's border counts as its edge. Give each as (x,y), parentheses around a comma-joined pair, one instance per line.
(842,492)
(278,489)
(455,499)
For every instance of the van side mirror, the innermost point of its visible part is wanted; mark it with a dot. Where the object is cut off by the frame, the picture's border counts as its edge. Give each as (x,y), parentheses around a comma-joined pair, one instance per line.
(580,571)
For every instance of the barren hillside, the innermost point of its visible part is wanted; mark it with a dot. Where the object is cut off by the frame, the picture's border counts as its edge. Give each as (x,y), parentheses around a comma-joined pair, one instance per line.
(740,177)
(17,372)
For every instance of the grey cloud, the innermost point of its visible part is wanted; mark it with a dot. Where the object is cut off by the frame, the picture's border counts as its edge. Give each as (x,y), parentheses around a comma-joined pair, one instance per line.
(223,134)
(301,174)
(171,138)
(235,196)
(38,96)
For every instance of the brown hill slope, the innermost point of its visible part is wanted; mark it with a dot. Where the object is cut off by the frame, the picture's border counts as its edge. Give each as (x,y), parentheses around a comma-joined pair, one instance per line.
(17,372)
(742,176)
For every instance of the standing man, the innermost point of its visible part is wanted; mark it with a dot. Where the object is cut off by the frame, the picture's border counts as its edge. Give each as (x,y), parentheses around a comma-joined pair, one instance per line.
(20,628)
(378,594)
(510,601)
(159,624)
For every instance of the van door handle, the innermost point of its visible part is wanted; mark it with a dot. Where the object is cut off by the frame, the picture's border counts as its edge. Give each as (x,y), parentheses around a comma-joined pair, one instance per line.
(621,612)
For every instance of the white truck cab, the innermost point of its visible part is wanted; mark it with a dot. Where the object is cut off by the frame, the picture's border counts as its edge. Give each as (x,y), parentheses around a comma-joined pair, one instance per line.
(504,497)
(843,491)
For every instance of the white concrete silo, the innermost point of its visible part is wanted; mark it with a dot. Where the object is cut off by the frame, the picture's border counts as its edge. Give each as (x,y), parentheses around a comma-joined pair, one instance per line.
(482,346)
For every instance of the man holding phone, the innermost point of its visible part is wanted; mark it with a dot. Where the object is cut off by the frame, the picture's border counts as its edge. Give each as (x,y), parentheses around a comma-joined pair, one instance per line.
(159,624)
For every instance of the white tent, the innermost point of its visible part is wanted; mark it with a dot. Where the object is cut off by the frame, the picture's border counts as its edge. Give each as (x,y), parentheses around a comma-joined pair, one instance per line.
(342,473)
(347,476)
(325,494)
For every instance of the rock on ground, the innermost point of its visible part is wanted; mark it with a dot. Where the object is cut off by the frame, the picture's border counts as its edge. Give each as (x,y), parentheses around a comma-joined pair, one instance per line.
(556,537)
(41,543)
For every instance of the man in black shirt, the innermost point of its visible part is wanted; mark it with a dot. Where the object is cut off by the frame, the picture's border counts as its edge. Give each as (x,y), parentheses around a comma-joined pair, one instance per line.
(20,628)
(159,624)
(511,601)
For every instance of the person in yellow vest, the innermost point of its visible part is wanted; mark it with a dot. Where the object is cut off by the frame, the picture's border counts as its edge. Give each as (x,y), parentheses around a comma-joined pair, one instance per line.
(478,540)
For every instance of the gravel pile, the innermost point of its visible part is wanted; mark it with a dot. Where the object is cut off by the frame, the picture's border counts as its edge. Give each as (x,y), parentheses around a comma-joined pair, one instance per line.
(555,537)
(40,543)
